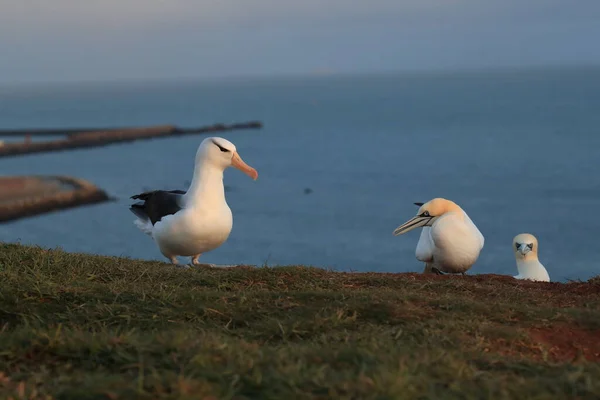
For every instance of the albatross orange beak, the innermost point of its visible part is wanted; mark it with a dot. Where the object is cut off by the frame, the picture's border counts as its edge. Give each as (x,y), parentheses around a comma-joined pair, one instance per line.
(237,162)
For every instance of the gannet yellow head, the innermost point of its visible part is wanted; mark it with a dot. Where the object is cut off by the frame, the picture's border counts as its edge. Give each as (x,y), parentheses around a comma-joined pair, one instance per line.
(427,214)
(525,246)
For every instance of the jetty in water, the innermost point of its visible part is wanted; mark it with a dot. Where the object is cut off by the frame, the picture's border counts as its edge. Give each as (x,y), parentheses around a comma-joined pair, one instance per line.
(75,139)
(25,196)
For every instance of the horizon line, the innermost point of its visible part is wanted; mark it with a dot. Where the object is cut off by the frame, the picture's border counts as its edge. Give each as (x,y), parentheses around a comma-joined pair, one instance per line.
(299,75)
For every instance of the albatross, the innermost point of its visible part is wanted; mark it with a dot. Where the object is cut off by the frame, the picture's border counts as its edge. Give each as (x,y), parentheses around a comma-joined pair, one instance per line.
(189,223)
(450,242)
(525,246)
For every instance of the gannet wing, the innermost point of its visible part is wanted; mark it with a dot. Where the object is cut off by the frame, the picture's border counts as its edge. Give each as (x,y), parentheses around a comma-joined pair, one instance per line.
(470,222)
(424,251)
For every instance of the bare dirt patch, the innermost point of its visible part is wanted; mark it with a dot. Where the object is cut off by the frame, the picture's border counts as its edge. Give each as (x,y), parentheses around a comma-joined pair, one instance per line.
(566,343)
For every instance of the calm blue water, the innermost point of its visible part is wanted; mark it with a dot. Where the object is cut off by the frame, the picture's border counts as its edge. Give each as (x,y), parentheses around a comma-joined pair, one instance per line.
(519,151)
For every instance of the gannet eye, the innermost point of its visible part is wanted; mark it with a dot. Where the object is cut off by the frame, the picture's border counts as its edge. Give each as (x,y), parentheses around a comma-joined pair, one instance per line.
(518,245)
(425,214)
(530,245)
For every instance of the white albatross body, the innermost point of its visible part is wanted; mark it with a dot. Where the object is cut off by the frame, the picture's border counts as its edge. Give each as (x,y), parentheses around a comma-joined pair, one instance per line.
(525,247)
(449,242)
(199,220)
(201,226)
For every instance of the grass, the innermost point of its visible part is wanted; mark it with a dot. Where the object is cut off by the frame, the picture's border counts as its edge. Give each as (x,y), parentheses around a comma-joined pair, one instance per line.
(75,326)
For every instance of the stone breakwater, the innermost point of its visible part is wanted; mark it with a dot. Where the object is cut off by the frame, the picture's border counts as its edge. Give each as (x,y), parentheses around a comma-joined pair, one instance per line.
(96,138)
(25,196)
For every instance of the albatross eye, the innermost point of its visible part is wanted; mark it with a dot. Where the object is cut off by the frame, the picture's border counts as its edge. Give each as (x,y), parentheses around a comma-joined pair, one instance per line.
(223,149)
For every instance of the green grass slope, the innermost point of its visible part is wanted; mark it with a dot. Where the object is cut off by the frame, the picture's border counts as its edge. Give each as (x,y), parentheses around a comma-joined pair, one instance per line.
(75,326)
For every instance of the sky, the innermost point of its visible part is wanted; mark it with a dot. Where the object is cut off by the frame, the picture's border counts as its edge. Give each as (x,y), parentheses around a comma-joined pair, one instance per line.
(108,40)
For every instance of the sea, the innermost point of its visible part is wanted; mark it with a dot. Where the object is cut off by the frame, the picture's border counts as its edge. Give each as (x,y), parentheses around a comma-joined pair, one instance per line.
(341,160)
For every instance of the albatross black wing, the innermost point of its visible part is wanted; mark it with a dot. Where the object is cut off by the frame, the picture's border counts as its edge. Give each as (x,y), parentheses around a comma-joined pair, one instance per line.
(156,204)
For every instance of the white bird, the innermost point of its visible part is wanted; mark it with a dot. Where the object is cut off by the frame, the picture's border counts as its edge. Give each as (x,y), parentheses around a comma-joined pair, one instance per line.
(199,220)
(450,241)
(525,247)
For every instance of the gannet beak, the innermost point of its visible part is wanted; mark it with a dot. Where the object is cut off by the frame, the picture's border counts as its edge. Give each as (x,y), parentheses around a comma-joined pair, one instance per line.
(411,224)
(238,163)
(524,249)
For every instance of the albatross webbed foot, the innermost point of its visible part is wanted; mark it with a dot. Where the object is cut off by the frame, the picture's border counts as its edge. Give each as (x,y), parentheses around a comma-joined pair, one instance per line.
(197,263)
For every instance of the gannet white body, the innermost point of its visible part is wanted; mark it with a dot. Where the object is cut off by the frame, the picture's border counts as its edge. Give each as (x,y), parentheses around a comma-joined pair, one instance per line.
(450,241)
(529,266)
(199,220)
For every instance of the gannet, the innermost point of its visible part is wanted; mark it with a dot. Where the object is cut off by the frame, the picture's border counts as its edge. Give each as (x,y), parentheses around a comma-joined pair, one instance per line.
(450,241)
(199,220)
(525,247)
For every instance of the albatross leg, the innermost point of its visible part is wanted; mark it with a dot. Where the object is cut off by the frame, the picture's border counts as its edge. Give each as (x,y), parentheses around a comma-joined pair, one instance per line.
(198,263)
(175,262)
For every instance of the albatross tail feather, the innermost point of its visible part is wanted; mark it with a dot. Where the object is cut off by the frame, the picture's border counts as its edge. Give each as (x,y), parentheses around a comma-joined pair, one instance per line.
(144,226)
(139,210)
(142,222)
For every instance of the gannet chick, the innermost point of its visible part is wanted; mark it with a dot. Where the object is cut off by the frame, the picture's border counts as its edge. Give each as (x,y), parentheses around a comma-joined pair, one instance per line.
(189,223)
(525,247)
(450,241)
